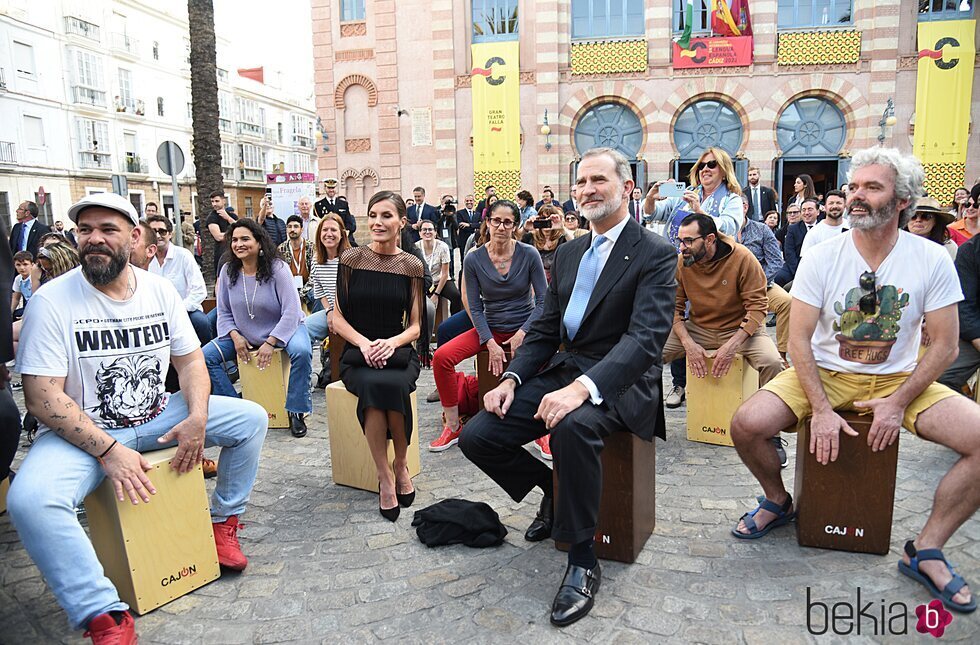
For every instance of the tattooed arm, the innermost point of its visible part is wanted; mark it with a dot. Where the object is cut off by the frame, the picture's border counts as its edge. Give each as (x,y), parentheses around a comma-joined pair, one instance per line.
(46,399)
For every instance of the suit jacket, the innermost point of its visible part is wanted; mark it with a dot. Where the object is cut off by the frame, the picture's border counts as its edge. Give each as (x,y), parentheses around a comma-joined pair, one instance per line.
(37,230)
(6,285)
(427,211)
(569,206)
(793,245)
(635,208)
(472,218)
(620,342)
(340,207)
(767,197)
(554,202)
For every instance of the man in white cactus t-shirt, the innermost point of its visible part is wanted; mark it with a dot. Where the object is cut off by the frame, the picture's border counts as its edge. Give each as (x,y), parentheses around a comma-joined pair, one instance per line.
(859,302)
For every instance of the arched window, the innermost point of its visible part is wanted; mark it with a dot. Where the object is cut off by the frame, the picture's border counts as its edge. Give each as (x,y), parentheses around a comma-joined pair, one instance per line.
(707,124)
(610,125)
(809,127)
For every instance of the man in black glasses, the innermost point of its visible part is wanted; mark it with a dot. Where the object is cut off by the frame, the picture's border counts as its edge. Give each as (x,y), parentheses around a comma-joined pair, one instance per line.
(859,301)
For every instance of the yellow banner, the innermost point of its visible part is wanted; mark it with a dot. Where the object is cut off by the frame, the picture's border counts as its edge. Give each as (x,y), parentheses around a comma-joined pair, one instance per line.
(944,90)
(496,87)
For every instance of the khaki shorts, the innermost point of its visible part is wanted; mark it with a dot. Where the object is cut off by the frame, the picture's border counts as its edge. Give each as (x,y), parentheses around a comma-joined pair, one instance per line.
(843,389)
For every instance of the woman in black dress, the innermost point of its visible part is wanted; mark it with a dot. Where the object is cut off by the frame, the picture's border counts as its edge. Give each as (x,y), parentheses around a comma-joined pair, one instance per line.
(379,286)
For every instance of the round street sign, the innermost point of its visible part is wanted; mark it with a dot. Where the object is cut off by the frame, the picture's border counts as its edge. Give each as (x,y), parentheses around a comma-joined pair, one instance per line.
(170,164)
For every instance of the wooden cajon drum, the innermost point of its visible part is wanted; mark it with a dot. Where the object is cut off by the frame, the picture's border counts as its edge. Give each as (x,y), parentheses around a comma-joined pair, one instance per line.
(337,345)
(350,458)
(712,402)
(4,487)
(267,387)
(208,304)
(155,552)
(846,505)
(976,387)
(627,509)
(485,379)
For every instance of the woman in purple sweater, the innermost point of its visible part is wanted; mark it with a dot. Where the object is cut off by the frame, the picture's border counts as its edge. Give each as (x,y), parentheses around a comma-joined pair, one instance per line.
(258,307)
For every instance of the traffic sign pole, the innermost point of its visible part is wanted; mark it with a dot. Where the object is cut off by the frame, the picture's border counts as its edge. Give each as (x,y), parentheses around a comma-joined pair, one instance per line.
(178,233)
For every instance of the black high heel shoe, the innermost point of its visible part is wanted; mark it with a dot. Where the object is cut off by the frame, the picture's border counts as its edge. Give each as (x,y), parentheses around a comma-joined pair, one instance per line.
(390,514)
(405,499)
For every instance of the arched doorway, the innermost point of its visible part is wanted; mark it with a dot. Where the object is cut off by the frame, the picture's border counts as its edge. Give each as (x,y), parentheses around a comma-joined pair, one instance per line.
(707,124)
(611,125)
(811,132)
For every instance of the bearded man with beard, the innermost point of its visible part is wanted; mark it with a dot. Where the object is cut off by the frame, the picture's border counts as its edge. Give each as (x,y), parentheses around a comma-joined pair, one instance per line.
(726,288)
(606,315)
(95,346)
(859,301)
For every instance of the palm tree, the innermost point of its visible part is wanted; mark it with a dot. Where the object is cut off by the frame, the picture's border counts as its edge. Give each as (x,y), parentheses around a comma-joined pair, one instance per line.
(206,145)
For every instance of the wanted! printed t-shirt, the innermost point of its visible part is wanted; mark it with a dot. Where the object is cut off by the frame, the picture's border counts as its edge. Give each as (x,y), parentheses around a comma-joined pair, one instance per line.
(114,355)
(883,337)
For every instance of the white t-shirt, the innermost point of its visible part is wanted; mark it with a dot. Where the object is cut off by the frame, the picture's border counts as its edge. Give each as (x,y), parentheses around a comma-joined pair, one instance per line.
(821,232)
(438,257)
(915,278)
(114,355)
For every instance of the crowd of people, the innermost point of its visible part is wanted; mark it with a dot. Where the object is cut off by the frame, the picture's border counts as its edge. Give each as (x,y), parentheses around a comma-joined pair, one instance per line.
(117,356)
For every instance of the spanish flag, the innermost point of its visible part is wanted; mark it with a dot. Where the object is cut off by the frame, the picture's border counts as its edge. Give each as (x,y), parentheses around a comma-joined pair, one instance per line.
(722,22)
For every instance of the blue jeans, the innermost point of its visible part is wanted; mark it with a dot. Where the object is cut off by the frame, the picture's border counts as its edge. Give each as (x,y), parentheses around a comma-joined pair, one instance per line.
(56,476)
(202,325)
(453,326)
(298,397)
(314,303)
(316,326)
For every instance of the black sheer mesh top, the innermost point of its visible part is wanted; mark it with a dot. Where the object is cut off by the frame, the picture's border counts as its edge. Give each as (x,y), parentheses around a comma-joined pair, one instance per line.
(376,293)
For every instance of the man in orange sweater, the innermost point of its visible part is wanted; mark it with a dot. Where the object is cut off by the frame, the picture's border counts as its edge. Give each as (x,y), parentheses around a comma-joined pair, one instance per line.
(726,287)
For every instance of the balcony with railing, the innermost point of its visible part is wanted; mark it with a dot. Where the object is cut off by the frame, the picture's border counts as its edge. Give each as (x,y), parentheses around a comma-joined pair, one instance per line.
(302,141)
(135,164)
(88,96)
(271,136)
(224,125)
(95,160)
(125,44)
(130,106)
(251,129)
(78,27)
(8,152)
(228,173)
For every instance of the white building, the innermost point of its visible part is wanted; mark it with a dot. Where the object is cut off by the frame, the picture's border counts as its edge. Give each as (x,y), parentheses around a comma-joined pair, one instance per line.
(90,89)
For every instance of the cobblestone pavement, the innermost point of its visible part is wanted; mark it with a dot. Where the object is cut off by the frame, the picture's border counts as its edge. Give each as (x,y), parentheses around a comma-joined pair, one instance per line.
(325,567)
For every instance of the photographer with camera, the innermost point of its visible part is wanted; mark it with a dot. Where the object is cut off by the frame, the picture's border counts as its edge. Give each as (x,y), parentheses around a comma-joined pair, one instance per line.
(547,234)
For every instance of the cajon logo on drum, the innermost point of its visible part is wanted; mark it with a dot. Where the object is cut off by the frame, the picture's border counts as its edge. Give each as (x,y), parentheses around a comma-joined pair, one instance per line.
(830,529)
(714,430)
(602,538)
(186,572)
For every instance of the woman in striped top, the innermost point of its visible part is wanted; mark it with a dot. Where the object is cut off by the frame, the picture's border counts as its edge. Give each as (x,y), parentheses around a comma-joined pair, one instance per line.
(331,242)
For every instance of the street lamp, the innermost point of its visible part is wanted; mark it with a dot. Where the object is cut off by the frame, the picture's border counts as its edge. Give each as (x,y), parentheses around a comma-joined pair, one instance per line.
(546,131)
(887,120)
(321,134)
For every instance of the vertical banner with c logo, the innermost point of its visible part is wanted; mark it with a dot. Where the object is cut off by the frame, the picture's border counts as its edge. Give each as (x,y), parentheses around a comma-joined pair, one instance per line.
(943,95)
(496,107)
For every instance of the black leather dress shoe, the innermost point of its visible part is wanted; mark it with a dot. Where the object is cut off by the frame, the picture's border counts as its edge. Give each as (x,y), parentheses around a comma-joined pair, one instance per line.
(297,424)
(576,595)
(540,528)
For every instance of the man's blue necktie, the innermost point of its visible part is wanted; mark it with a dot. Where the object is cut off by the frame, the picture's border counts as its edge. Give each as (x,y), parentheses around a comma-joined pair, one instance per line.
(588,273)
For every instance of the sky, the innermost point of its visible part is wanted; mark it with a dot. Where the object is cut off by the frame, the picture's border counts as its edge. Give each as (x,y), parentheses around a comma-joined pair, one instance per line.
(276,35)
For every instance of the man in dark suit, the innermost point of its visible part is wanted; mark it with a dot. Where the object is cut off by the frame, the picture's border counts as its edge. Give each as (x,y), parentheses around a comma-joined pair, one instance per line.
(609,305)
(467,222)
(547,199)
(570,204)
(28,230)
(793,244)
(762,199)
(420,211)
(636,205)
(490,191)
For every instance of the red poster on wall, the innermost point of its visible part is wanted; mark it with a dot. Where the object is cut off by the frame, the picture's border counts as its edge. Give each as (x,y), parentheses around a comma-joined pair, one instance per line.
(714,52)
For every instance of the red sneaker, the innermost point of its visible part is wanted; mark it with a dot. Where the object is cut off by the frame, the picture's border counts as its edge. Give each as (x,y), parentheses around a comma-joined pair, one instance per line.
(544,446)
(226,540)
(104,630)
(447,439)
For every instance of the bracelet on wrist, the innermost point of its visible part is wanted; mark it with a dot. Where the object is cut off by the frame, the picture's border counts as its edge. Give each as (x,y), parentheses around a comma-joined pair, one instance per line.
(106,451)
(269,344)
